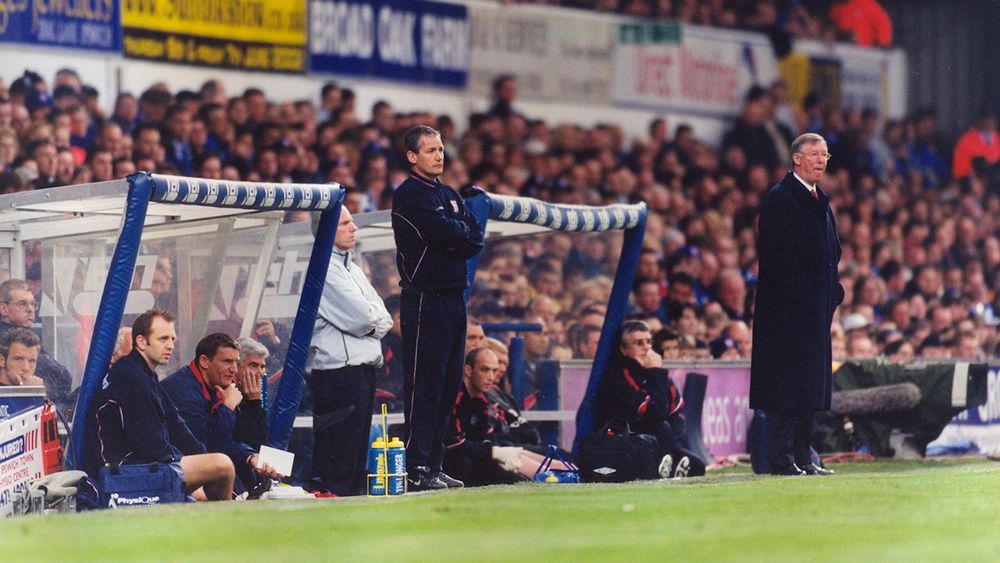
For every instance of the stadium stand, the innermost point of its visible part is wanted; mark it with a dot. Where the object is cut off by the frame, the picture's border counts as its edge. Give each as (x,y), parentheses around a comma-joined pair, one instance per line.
(864,22)
(921,248)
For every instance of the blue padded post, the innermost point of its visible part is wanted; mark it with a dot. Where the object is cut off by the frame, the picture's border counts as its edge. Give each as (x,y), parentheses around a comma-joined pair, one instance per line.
(515,354)
(627,264)
(516,369)
(479,206)
(109,315)
(286,402)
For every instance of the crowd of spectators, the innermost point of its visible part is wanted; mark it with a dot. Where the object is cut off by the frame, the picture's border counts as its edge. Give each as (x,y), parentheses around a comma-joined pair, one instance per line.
(921,251)
(864,22)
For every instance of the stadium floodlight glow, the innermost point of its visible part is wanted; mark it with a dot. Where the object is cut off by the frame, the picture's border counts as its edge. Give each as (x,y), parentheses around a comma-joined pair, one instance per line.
(257,196)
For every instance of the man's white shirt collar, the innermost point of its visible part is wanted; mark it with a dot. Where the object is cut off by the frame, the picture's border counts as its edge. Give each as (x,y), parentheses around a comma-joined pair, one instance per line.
(810,187)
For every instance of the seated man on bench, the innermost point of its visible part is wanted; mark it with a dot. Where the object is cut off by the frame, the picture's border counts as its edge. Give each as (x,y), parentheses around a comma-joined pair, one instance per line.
(637,389)
(133,421)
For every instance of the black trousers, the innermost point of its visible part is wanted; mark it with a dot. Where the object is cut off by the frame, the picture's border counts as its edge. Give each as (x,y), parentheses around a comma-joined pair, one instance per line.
(671,438)
(342,420)
(788,435)
(433,327)
(479,472)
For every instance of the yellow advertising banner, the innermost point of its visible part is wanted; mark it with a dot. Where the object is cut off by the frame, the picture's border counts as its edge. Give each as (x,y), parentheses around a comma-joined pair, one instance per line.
(266,35)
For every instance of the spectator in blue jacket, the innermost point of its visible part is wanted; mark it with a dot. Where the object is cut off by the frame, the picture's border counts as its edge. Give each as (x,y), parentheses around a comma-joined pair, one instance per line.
(18,309)
(207,398)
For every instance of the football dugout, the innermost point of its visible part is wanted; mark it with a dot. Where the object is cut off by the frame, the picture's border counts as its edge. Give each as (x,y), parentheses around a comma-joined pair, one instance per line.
(221,256)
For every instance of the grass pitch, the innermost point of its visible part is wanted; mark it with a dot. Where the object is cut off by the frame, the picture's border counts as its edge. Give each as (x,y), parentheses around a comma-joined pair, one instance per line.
(889,511)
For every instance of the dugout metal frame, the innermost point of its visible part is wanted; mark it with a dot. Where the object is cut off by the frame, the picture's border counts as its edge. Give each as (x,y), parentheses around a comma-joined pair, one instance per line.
(145,188)
(157,199)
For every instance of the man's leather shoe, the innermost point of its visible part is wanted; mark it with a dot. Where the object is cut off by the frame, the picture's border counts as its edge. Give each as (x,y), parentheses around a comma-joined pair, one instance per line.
(813,469)
(787,470)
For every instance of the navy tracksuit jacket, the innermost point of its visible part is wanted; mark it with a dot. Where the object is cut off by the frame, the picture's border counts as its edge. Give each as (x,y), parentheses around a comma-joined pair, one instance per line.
(214,424)
(435,234)
(133,419)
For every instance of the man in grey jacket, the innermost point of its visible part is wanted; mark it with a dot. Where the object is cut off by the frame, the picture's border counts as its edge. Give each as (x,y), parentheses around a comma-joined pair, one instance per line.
(345,353)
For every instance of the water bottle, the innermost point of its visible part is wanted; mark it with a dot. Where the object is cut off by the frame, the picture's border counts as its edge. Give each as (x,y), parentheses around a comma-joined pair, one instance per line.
(377,468)
(397,467)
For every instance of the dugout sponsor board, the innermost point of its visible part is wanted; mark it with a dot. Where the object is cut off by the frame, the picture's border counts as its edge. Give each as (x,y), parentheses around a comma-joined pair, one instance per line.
(726,413)
(74,24)
(689,69)
(563,55)
(18,400)
(401,40)
(259,35)
(20,456)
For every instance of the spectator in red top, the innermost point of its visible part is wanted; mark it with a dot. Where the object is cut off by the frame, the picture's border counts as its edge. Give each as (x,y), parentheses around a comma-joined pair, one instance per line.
(866,20)
(980,141)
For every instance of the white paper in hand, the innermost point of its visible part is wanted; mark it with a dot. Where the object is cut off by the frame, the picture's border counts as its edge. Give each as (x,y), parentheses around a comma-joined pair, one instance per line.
(280,460)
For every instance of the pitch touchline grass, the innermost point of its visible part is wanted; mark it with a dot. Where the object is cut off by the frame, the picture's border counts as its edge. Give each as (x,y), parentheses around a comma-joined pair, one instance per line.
(887,511)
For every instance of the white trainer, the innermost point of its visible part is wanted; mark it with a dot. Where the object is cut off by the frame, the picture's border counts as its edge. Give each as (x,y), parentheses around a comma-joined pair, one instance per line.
(683,466)
(666,464)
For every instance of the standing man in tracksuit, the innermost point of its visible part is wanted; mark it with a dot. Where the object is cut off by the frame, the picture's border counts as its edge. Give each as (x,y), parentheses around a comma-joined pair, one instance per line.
(435,233)
(345,353)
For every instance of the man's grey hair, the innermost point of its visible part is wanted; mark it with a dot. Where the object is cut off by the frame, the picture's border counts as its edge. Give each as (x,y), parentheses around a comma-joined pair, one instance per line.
(120,340)
(249,346)
(628,327)
(12,285)
(806,139)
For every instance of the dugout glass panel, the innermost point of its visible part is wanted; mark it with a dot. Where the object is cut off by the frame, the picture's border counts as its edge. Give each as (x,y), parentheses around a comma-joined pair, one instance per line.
(200,271)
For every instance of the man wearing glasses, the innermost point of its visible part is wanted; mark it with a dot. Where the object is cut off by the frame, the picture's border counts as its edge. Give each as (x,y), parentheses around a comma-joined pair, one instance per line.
(637,388)
(17,310)
(798,290)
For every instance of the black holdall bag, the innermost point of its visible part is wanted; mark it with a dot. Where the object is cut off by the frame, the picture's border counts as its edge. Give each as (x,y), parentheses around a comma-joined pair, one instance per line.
(614,454)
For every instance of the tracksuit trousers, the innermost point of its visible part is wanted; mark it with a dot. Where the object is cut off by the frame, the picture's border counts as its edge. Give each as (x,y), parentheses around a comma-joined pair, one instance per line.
(433,324)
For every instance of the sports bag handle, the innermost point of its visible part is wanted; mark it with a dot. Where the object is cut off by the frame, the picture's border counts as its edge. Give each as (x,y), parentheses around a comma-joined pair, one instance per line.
(551,456)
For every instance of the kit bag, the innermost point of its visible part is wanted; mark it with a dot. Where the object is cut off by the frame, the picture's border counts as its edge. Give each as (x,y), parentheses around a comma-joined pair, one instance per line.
(614,454)
(141,484)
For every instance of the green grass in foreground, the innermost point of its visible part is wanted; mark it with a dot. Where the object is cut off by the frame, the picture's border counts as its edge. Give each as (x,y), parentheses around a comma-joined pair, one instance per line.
(891,511)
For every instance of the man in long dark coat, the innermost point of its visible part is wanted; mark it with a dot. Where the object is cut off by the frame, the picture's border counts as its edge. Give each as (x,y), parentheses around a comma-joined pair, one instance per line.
(797,293)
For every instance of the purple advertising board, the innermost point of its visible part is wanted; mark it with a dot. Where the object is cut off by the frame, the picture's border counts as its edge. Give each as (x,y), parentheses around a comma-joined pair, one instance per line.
(725,412)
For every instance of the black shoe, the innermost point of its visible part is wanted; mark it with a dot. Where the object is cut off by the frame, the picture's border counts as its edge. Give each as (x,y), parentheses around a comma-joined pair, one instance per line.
(813,469)
(448,480)
(787,470)
(421,478)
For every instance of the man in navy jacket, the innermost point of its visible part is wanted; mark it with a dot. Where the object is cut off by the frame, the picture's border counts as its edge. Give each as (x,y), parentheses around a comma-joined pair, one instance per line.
(134,420)
(207,398)
(435,234)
